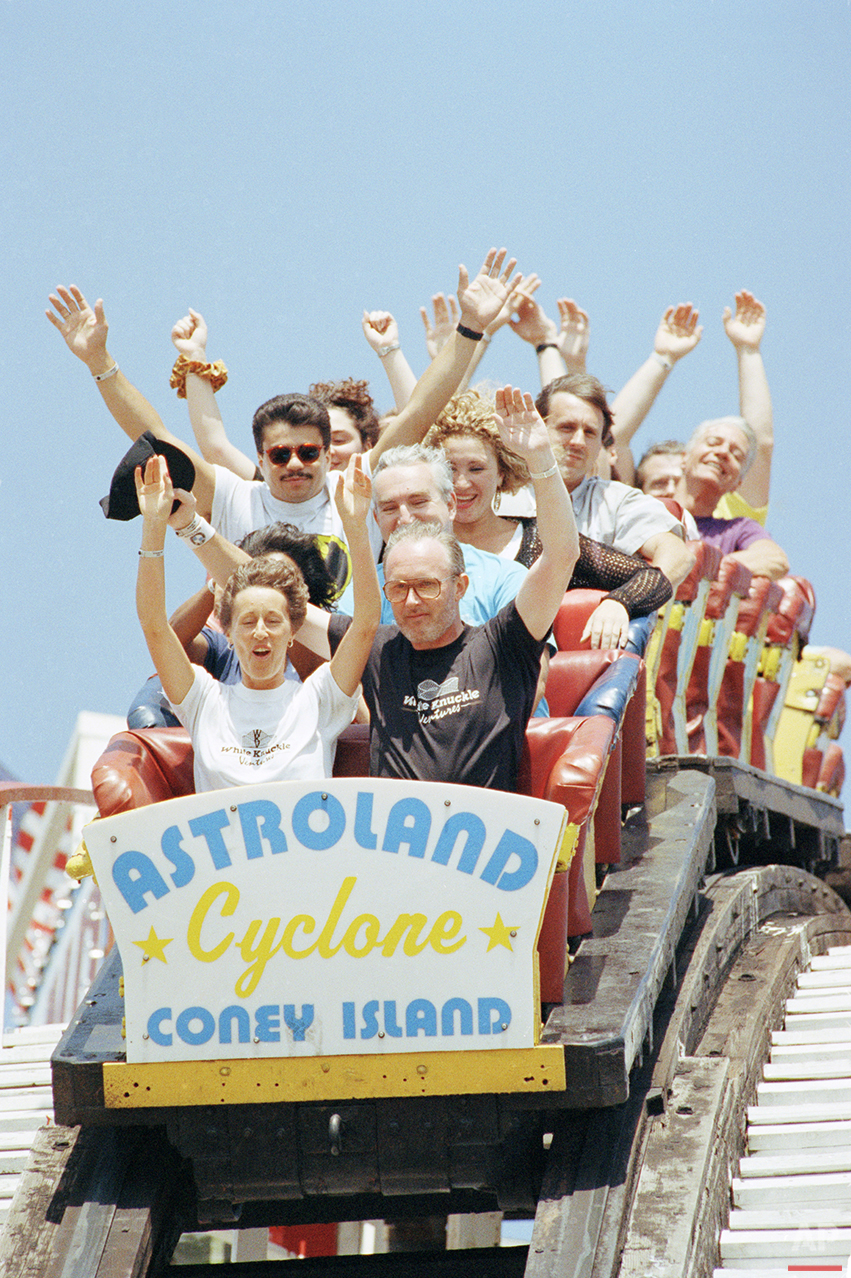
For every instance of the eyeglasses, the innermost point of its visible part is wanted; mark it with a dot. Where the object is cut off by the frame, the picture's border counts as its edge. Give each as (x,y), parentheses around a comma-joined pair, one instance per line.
(280,454)
(425,588)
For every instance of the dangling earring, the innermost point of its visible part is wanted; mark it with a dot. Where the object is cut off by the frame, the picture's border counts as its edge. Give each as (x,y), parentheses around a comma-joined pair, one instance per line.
(497,498)
(291,642)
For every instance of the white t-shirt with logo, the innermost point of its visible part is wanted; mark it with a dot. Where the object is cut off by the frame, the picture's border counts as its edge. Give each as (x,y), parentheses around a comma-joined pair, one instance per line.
(242,736)
(242,505)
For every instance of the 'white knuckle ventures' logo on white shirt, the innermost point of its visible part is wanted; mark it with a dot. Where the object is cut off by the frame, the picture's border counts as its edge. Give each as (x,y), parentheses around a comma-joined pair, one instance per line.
(256,739)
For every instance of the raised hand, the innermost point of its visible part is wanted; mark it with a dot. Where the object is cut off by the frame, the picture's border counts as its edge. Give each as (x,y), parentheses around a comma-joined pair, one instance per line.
(746,327)
(353,494)
(445,321)
(482,298)
(379,329)
(526,287)
(573,334)
(154,492)
(532,324)
(184,507)
(678,332)
(83,328)
(522,428)
(189,335)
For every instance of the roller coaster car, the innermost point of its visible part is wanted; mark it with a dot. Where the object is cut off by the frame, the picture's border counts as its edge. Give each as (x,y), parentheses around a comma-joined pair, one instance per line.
(343,1141)
(567,760)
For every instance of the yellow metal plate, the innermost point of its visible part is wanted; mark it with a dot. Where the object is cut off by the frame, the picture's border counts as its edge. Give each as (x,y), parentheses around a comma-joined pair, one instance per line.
(317,1078)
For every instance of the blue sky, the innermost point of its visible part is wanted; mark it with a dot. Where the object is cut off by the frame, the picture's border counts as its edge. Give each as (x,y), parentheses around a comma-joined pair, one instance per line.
(281,167)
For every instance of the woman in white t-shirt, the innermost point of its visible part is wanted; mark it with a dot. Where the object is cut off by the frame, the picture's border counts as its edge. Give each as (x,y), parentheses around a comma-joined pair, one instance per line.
(266,727)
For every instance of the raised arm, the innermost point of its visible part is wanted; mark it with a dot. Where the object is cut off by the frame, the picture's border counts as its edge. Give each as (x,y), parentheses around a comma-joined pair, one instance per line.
(573,335)
(84,330)
(439,331)
(352,498)
(189,619)
(524,433)
(536,328)
(155,496)
(382,332)
(479,302)
(677,334)
(745,330)
(189,336)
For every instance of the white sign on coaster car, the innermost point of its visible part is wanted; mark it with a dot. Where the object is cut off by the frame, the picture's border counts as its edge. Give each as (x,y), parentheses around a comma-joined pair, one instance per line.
(349,917)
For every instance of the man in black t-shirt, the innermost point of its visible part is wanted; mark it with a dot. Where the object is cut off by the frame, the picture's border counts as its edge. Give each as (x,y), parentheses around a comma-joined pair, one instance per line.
(448,701)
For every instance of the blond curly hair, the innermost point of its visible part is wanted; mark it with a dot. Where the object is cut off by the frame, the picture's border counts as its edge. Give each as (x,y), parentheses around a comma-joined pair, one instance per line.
(471,413)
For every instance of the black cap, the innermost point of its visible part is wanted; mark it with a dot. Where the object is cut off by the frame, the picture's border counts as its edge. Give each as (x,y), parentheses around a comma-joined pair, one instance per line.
(122,502)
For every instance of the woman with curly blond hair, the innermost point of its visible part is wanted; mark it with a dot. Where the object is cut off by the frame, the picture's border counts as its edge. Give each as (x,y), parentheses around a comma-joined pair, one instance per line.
(483,469)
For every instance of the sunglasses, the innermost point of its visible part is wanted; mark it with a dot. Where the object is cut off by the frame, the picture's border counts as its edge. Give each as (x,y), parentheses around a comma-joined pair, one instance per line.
(280,454)
(425,588)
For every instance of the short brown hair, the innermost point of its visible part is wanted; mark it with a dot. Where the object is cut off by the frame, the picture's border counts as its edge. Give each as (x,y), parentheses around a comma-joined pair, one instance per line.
(278,574)
(583,386)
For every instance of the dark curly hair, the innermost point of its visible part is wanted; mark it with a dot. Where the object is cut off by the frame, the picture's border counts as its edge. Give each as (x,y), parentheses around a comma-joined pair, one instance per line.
(284,539)
(278,574)
(354,398)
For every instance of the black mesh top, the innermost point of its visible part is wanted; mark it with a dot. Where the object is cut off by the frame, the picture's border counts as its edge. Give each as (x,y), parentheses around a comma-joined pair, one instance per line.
(628,579)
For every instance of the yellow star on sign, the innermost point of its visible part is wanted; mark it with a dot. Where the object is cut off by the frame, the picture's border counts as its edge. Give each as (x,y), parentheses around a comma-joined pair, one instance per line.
(499,934)
(154,947)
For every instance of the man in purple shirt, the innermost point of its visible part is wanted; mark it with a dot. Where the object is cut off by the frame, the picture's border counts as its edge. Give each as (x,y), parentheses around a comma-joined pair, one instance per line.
(717,458)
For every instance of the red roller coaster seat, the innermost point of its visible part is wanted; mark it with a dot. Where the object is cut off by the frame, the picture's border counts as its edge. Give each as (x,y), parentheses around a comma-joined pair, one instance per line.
(563,761)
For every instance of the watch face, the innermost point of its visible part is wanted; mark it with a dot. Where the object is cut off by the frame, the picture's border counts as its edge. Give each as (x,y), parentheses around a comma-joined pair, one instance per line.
(198,539)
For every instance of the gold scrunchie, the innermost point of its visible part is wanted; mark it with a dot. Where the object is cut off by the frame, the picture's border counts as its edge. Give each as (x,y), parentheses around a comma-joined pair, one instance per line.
(216,374)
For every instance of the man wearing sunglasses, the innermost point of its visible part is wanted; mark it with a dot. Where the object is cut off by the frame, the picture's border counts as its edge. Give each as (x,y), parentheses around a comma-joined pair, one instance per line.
(292,433)
(450,701)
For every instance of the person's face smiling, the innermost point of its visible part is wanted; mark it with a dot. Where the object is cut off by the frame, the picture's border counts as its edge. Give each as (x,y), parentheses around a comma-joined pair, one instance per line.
(475,476)
(575,428)
(345,439)
(402,494)
(717,457)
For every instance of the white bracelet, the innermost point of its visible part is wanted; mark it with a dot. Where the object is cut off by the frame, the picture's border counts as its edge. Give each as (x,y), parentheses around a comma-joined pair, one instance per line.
(110,372)
(384,351)
(151,554)
(198,532)
(545,474)
(666,363)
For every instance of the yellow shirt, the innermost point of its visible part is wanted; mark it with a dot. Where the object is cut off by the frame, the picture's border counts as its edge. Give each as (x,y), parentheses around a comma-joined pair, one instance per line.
(732,506)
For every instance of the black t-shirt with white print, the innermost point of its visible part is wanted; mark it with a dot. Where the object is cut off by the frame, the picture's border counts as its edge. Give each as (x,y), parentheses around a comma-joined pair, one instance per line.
(456,713)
